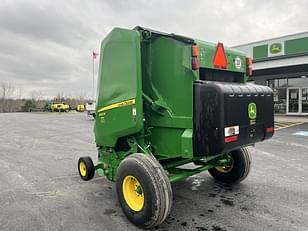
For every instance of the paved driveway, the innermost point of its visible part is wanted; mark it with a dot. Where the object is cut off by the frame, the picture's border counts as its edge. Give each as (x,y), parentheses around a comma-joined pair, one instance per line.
(40,188)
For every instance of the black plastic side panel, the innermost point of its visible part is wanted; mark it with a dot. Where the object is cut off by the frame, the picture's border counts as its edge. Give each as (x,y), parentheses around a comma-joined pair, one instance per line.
(219,105)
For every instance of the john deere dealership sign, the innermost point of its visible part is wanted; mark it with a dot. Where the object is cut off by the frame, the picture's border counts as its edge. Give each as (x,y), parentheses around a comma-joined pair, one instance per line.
(275,48)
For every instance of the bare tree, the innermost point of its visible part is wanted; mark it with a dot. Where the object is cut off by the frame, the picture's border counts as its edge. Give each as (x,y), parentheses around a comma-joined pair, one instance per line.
(7,96)
(10,91)
(3,96)
(36,95)
(82,98)
(19,93)
(60,96)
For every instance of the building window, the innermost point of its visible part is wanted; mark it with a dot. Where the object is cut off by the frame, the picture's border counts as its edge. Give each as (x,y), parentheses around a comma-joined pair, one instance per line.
(280,86)
(280,94)
(283,83)
(298,82)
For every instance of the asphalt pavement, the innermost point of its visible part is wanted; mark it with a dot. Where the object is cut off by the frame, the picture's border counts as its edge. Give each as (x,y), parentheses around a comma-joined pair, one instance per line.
(40,188)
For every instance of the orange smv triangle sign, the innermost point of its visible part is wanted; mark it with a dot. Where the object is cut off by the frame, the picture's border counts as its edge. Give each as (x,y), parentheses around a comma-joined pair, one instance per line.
(220,60)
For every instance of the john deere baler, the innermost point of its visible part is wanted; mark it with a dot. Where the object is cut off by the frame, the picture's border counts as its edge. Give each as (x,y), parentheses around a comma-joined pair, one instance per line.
(165,100)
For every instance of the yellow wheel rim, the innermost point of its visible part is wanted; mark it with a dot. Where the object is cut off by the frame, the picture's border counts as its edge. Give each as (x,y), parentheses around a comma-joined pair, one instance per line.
(82,168)
(226,168)
(133,193)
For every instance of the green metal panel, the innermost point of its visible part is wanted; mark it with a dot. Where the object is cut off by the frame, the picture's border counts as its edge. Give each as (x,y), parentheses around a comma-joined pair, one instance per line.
(295,46)
(260,52)
(186,143)
(168,77)
(119,100)
(172,80)
(166,142)
(207,53)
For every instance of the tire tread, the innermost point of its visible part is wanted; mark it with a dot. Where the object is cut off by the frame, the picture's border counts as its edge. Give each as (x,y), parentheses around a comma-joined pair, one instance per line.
(237,175)
(161,184)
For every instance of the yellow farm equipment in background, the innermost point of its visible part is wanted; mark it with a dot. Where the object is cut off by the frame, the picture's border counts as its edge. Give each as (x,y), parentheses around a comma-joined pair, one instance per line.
(59,107)
(80,107)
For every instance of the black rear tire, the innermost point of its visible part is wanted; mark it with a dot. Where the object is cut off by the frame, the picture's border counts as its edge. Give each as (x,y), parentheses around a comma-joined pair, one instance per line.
(86,168)
(155,189)
(238,171)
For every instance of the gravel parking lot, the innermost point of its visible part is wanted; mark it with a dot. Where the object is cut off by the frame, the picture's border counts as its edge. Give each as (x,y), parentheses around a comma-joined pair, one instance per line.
(40,188)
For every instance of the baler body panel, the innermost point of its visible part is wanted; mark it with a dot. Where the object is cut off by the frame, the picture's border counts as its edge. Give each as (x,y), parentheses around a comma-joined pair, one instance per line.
(207,53)
(119,107)
(167,80)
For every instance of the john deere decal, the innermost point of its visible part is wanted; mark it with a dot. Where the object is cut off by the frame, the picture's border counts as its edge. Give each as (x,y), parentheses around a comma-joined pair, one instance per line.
(252,111)
(275,48)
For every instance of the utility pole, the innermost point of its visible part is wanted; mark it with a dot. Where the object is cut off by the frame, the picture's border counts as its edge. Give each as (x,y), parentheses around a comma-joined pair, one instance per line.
(94,55)
(93,87)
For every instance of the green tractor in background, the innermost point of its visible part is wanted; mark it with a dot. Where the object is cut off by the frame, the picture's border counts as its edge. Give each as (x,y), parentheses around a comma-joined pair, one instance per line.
(166,100)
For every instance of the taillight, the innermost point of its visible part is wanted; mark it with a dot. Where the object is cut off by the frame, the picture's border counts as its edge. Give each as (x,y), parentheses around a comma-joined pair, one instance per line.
(249,66)
(194,51)
(231,139)
(270,130)
(195,64)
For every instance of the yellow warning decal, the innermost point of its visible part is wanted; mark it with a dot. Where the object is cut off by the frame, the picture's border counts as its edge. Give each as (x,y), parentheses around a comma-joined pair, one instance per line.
(119,104)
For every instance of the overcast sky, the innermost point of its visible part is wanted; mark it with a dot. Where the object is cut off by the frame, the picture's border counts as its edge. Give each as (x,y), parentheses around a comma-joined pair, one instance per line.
(46,45)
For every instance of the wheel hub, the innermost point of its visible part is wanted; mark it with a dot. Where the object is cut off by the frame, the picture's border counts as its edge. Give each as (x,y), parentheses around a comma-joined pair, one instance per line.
(82,168)
(133,193)
(226,167)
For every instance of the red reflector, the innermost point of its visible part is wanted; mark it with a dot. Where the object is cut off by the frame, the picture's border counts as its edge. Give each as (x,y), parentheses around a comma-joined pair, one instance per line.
(195,64)
(269,130)
(220,60)
(231,139)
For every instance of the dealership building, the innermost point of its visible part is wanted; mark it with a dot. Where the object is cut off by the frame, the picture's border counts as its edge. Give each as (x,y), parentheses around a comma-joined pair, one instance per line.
(282,64)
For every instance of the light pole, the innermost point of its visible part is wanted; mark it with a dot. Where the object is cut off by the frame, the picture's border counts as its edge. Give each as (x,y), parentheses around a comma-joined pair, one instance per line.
(94,56)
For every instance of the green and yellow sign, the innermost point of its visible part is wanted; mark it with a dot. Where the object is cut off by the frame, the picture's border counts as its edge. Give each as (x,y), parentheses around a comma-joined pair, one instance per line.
(252,111)
(275,48)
